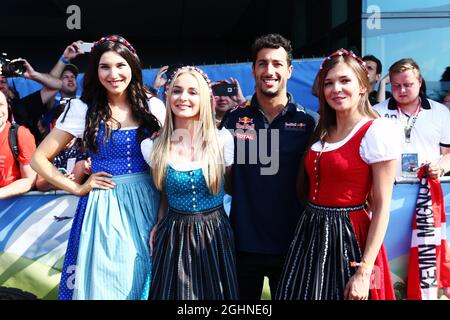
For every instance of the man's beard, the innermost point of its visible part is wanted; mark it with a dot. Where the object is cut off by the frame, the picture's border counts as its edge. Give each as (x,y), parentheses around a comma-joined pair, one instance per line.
(273,94)
(270,94)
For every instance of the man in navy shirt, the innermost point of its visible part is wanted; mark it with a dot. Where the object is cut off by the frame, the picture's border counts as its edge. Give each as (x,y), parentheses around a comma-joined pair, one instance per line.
(271,134)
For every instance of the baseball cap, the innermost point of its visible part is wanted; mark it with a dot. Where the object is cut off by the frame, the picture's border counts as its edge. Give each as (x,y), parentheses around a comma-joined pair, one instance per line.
(72,68)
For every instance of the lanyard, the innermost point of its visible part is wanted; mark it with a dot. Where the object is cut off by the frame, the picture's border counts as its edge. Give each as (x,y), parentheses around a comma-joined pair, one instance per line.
(411,120)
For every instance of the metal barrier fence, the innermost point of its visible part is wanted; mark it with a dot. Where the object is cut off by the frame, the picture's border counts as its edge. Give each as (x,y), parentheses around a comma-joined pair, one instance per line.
(34,230)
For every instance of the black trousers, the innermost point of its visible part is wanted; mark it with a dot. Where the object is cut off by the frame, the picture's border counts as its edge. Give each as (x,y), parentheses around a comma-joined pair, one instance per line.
(251,270)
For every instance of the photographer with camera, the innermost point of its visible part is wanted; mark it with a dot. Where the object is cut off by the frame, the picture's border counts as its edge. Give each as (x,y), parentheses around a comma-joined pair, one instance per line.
(16,175)
(228,94)
(27,110)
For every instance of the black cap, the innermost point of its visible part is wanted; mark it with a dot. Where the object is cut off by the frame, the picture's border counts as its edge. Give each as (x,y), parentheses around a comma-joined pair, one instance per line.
(72,68)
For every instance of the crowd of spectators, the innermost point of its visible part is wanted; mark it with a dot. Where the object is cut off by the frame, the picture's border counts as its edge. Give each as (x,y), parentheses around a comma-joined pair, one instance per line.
(34,115)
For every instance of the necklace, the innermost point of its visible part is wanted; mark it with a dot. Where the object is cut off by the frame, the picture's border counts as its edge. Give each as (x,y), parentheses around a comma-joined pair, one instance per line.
(409,122)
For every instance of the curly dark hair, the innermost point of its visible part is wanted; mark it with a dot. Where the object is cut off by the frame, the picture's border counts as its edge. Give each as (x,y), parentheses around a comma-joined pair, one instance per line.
(95,96)
(273,41)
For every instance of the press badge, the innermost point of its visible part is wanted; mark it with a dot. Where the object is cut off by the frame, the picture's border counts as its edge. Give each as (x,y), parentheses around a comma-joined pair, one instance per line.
(410,162)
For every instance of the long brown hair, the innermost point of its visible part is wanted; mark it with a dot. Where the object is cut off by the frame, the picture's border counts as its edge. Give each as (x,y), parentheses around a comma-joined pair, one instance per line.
(95,96)
(328,114)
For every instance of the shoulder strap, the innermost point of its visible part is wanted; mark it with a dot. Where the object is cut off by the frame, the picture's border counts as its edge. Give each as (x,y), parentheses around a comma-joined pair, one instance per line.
(13,140)
(67,107)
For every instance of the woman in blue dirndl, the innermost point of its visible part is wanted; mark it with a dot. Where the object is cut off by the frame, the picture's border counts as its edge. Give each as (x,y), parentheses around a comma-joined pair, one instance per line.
(108,254)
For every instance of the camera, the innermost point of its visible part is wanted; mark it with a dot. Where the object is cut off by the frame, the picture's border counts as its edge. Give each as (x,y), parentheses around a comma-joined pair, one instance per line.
(172,69)
(86,47)
(11,69)
(225,89)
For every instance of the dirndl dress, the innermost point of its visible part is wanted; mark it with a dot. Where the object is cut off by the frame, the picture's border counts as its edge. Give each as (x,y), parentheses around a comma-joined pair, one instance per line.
(108,255)
(194,253)
(332,230)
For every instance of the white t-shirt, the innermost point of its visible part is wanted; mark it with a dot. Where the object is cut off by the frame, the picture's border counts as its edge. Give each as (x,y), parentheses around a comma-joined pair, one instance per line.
(228,152)
(430,131)
(75,119)
(380,143)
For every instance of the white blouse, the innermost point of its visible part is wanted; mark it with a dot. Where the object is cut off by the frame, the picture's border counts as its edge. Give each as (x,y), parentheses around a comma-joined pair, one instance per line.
(380,143)
(75,119)
(158,109)
(228,152)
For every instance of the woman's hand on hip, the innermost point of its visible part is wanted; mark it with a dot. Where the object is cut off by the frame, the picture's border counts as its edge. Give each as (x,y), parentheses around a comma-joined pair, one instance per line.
(98,180)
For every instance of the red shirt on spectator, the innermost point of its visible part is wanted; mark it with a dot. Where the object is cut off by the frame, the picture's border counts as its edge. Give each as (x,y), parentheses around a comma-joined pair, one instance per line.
(9,169)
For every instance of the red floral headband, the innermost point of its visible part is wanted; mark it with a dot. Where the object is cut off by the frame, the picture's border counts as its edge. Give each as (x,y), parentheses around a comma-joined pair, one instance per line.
(343,52)
(187,68)
(118,39)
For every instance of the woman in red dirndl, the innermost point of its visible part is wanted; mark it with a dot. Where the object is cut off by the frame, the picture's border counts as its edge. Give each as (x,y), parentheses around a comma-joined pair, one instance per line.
(337,251)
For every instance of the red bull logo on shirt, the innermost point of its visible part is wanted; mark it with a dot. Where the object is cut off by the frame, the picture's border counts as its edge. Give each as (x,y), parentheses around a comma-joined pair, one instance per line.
(245,123)
(295,125)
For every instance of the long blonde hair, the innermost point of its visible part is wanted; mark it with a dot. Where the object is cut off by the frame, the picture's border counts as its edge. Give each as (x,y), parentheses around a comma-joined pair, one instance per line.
(206,138)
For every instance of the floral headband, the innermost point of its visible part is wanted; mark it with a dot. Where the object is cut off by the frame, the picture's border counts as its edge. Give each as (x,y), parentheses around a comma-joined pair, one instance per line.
(187,68)
(343,52)
(118,39)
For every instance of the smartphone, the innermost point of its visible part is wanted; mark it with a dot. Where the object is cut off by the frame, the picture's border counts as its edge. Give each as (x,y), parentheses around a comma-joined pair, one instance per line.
(62,170)
(86,47)
(172,69)
(225,89)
